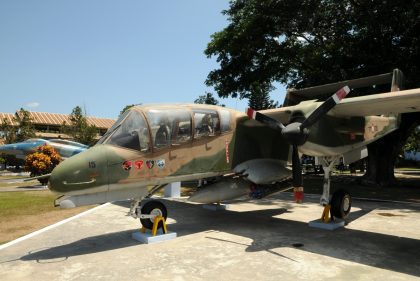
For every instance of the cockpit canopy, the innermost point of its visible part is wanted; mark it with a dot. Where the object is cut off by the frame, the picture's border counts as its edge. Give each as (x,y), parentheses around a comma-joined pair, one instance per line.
(157,128)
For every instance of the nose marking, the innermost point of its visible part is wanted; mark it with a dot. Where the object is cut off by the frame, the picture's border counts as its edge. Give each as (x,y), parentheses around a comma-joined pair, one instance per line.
(79,183)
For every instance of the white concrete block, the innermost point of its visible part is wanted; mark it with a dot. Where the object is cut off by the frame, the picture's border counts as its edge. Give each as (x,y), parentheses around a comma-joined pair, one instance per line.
(328,226)
(147,237)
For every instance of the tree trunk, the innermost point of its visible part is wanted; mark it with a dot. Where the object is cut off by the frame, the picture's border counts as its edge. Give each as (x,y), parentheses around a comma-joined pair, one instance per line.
(384,152)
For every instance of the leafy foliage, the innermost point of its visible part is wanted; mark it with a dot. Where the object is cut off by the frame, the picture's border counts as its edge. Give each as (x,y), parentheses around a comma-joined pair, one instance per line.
(312,42)
(260,97)
(23,131)
(42,162)
(127,107)
(79,129)
(8,132)
(26,129)
(413,141)
(11,160)
(207,98)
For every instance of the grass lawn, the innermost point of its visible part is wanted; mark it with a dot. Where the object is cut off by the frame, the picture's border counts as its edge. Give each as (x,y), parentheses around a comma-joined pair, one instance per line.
(19,184)
(7,181)
(27,211)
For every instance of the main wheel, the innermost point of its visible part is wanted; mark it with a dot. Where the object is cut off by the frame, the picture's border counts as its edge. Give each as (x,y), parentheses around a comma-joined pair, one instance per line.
(153,208)
(340,204)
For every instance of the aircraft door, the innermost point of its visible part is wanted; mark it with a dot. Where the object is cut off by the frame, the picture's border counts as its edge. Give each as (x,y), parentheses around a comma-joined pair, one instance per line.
(171,137)
(208,145)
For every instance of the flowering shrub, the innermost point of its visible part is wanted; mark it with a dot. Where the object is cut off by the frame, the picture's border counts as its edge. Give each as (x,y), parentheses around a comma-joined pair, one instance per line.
(42,162)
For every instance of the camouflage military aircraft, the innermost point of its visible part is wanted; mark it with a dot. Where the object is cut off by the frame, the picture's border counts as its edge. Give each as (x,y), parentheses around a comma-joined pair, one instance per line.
(151,146)
(65,148)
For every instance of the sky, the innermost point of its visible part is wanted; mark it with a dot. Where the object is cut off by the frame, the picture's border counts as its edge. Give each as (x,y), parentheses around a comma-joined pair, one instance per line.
(103,55)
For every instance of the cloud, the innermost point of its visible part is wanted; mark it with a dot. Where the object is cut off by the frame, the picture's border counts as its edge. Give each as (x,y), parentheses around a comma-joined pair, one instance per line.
(32,104)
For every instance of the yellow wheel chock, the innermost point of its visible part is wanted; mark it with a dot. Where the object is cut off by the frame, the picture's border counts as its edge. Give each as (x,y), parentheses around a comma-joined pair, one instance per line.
(326,217)
(159,222)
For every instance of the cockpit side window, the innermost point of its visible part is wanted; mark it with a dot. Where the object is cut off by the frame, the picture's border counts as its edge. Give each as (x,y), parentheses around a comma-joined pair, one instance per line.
(169,126)
(113,127)
(206,123)
(224,120)
(132,133)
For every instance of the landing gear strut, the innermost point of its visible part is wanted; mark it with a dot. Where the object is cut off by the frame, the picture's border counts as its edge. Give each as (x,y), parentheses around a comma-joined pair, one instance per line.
(146,209)
(327,165)
(340,203)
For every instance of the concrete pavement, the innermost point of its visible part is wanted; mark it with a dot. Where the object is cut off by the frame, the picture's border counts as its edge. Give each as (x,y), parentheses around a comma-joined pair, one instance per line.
(265,239)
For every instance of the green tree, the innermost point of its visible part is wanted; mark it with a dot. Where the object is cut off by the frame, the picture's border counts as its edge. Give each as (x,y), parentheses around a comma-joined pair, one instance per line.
(127,107)
(8,132)
(79,129)
(23,129)
(207,98)
(26,130)
(260,97)
(413,141)
(306,43)
(312,42)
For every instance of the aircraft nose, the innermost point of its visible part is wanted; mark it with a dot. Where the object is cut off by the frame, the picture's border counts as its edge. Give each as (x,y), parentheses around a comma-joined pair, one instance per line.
(82,171)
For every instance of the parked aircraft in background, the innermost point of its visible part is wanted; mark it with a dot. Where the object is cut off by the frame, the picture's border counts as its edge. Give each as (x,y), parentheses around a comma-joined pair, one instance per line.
(64,147)
(151,146)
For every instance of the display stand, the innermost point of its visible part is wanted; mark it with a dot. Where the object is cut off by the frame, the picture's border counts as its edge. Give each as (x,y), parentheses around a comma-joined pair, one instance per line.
(159,233)
(327,220)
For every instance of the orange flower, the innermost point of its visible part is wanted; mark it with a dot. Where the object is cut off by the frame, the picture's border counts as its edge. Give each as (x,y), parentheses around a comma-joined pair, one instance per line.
(43,161)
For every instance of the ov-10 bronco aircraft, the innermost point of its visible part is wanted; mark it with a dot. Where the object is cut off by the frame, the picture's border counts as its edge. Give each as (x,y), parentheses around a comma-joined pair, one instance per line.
(151,146)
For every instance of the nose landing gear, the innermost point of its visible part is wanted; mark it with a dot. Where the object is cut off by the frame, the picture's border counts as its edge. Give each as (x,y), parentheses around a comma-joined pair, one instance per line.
(150,210)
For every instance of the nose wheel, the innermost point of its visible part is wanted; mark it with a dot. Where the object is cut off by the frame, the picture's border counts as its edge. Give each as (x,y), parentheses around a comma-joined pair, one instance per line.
(150,210)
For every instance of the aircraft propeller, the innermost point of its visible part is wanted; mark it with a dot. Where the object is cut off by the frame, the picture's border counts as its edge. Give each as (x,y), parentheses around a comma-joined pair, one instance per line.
(296,133)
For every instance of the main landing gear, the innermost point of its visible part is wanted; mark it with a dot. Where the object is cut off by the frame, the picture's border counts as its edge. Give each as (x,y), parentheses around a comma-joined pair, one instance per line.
(340,203)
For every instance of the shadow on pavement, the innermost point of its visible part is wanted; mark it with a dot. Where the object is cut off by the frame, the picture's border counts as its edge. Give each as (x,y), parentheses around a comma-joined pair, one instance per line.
(267,232)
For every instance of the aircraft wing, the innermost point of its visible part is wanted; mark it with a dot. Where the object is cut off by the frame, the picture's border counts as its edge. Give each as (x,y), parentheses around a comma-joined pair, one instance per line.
(378,104)
(388,103)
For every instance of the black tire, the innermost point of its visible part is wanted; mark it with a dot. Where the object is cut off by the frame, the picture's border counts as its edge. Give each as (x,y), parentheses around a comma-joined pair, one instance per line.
(152,207)
(340,204)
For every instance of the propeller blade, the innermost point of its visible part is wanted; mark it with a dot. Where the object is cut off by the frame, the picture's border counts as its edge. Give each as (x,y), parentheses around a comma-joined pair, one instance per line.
(272,123)
(325,107)
(296,168)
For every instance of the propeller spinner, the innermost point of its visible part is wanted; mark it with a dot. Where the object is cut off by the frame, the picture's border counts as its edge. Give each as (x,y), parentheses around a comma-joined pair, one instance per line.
(297,133)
